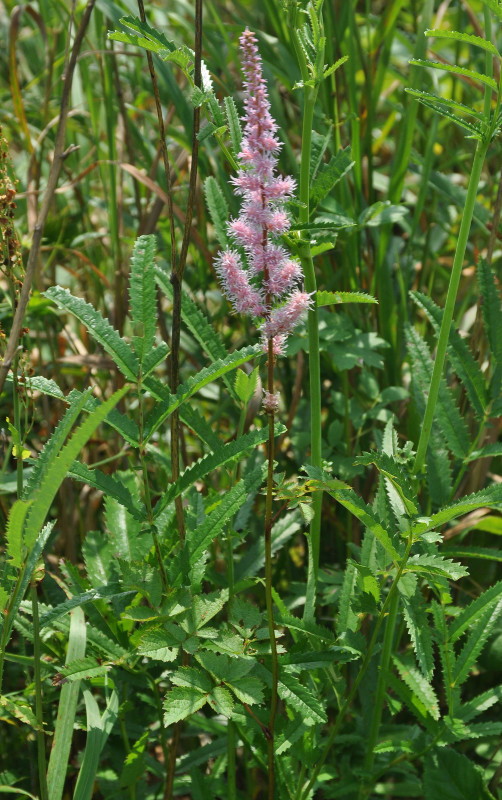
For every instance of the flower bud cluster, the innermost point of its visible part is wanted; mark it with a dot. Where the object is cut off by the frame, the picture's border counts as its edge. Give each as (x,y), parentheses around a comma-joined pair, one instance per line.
(259,277)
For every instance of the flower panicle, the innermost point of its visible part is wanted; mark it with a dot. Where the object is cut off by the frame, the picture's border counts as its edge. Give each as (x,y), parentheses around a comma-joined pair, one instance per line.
(259,277)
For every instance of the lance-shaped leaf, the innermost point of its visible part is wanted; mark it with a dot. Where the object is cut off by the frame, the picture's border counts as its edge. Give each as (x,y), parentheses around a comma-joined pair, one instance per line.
(110,486)
(490,598)
(419,685)
(449,420)
(396,475)
(329,175)
(464,363)
(334,298)
(194,384)
(142,295)
(99,328)
(476,641)
(365,514)
(212,461)
(442,107)
(467,38)
(58,469)
(199,539)
(102,593)
(476,77)
(82,668)
(153,40)
(53,446)
(432,565)
(491,496)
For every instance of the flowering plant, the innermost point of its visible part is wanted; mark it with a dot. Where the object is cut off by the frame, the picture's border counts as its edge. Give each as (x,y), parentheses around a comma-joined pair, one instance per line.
(259,277)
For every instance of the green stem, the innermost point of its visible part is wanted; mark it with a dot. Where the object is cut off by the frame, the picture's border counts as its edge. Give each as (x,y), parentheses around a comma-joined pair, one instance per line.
(444,332)
(376,718)
(39,713)
(268,575)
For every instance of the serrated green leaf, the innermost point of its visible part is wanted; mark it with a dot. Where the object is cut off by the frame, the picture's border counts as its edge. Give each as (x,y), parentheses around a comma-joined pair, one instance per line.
(470,551)
(301,699)
(99,328)
(234,125)
(101,593)
(56,471)
(212,461)
(305,626)
(451,423)
(329,175)
(207,375)
(495,6)
(192,677)
(475,642)
(194,420)
(14,532)
(19,710)
(479,704)
(433,101)
(142,296)
(150,39)
(158,645)
(45,385)
(452,776)
(199,539)
(364,513)
(472,612)
(381,213)
(110,486)
(395,474)
(477,77)
(468,38)
(436,565)
(418,685)
(53,446)
(439,473)
(490,307)
(218,209)
(420,634)
(181,702)
(221,701)
(464,364)
(492,496)
(412,701)
(333,298)
(83,668)
(248,689)
(124,425)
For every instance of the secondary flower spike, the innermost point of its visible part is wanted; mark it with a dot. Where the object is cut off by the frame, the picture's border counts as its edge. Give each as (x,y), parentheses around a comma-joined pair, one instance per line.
(259,277)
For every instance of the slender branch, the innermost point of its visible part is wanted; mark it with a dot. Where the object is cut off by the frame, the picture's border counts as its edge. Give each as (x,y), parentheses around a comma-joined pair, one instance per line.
(42,763)
(451,297)
(177,272)
(268,573)
(52,181)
